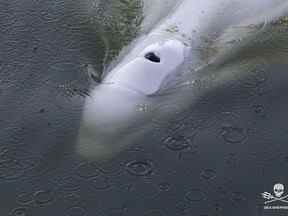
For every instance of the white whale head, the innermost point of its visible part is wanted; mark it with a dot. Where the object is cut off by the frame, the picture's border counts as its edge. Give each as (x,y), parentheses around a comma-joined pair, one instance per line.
(113,115)
(113,112)
(147,71)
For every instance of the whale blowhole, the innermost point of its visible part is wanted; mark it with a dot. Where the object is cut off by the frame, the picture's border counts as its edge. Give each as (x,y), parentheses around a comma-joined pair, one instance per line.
(153,57)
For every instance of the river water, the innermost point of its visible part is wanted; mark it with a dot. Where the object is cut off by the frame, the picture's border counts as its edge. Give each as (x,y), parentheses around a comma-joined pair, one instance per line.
(215,157)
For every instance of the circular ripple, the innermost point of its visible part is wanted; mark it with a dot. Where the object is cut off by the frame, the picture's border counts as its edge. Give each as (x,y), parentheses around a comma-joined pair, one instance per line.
(21,211)
(260,77)
(112,168)
(195,195)
(88,170)
(234,134)
(76,211)
(70,184)
(139,168)
(208,174)
(177,142)
(101,183)
(72,199)
(24,198)
(29,163)
(10,170)
(259,110)
(43,197)
(164,186)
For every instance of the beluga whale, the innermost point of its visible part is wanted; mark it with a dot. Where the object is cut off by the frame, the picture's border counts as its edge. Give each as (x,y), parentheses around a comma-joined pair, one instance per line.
(195,39)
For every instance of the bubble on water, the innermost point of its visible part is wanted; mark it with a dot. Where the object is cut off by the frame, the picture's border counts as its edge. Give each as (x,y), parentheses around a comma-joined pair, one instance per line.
(208,174)
(177,142)
(232,134)
(88,170)
(195,195)
(139,168)
(43,197)
(76,211)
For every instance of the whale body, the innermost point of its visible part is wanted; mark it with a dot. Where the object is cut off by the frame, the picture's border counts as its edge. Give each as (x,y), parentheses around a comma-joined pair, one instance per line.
(120,108)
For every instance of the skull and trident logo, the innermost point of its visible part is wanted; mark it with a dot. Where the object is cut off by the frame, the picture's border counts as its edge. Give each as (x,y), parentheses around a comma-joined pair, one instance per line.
(278,190)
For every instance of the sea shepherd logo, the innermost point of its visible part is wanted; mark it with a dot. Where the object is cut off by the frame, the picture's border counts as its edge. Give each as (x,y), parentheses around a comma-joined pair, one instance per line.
(273,201)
